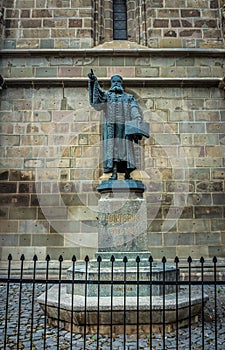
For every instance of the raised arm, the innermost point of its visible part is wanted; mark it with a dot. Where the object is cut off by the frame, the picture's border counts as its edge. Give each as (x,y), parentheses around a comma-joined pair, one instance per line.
(97,96)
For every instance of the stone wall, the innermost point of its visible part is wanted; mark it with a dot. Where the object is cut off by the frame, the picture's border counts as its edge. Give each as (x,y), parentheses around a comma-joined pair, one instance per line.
(192,23)
(75,24)
(185,162)
(48,24)
(51,154)
(50,137)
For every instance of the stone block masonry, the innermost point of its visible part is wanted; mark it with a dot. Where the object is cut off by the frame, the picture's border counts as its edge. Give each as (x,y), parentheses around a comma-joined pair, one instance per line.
(81,24)
(51,163)
(50,153)
(78,64)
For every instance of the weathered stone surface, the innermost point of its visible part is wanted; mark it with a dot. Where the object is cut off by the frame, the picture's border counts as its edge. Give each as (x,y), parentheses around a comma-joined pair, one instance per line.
(9,227)
(122,221)
(14,200)
(9,240)
(157,14)
(118,308)
(4,175)
(207,212)
(219,198)
(210,186)
(47,240)
(52,127)
(158,274)
(25,213)
(8,187)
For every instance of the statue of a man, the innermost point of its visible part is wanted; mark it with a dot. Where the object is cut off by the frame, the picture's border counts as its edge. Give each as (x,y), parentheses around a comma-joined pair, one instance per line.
(118,108)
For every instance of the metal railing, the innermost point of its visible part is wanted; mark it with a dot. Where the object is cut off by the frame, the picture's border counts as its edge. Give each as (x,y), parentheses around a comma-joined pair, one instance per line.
(24,325)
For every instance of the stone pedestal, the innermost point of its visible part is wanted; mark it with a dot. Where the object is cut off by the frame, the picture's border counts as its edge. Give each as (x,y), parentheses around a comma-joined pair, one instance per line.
(122,216)
(122,238)
(93,313)
(121,273)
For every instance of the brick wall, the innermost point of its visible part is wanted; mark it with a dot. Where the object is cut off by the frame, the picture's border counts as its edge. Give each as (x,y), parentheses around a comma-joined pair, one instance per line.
(187,155)
(79,24)
(192,23)
(51,154)
(50,137)
(48,24)
(48,158)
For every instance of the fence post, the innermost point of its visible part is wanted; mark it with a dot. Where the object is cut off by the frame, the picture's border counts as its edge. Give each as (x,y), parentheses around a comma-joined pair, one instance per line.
(202,260)
(72,302)
(124,299)
(138,292)
(215,299)
(164,302)
(189,260)
(111,313)
(176,260)
(46,298)
(59,297)
(32,306)
(20,299)
(99,259)
(7,299)
(85,300)
(150,296)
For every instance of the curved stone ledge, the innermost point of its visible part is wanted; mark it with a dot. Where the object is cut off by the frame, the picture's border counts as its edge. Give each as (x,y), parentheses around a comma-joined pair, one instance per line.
(151,310)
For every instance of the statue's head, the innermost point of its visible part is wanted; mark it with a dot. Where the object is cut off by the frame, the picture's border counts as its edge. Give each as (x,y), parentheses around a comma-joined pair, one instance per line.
(116,83)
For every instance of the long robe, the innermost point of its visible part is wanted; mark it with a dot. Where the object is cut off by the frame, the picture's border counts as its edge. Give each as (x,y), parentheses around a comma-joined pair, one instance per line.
(117,109)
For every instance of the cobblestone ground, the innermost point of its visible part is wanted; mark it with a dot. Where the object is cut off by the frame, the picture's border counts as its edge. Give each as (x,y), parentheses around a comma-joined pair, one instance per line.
(23,341)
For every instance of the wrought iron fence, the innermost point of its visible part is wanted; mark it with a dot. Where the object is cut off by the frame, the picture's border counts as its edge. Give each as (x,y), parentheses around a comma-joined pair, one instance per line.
(130,319)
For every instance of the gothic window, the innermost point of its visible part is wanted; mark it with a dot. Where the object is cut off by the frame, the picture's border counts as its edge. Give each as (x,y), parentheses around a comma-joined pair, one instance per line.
(119,20)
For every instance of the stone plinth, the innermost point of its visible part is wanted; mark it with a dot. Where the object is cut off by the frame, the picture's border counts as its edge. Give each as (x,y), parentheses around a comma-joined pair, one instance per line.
(122,281)
(120,272)
(122,216)
(150,310)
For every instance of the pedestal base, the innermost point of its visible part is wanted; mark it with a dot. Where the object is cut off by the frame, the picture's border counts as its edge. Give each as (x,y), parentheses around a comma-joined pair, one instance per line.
(119,272)
(93,305)
(95,313)
(121,185)
(107,293)
(122,216)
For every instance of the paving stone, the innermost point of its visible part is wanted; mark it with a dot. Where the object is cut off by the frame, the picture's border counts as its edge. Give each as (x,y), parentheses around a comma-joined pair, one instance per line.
(104,343)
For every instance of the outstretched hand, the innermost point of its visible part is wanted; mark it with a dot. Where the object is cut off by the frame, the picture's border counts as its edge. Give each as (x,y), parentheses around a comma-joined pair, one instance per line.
(91,76)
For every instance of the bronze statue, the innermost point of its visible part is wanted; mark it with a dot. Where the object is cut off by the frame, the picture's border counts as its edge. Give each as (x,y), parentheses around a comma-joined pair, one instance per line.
(119,109)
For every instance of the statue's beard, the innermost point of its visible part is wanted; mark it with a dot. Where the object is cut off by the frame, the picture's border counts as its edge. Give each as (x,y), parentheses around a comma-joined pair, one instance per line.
(117,89)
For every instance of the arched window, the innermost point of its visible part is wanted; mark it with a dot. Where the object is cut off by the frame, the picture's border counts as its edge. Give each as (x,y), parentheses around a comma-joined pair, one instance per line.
(119,20)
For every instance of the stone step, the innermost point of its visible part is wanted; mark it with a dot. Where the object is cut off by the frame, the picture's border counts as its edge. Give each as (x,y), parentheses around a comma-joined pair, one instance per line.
(120,258)
(120,255)
(94,274)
